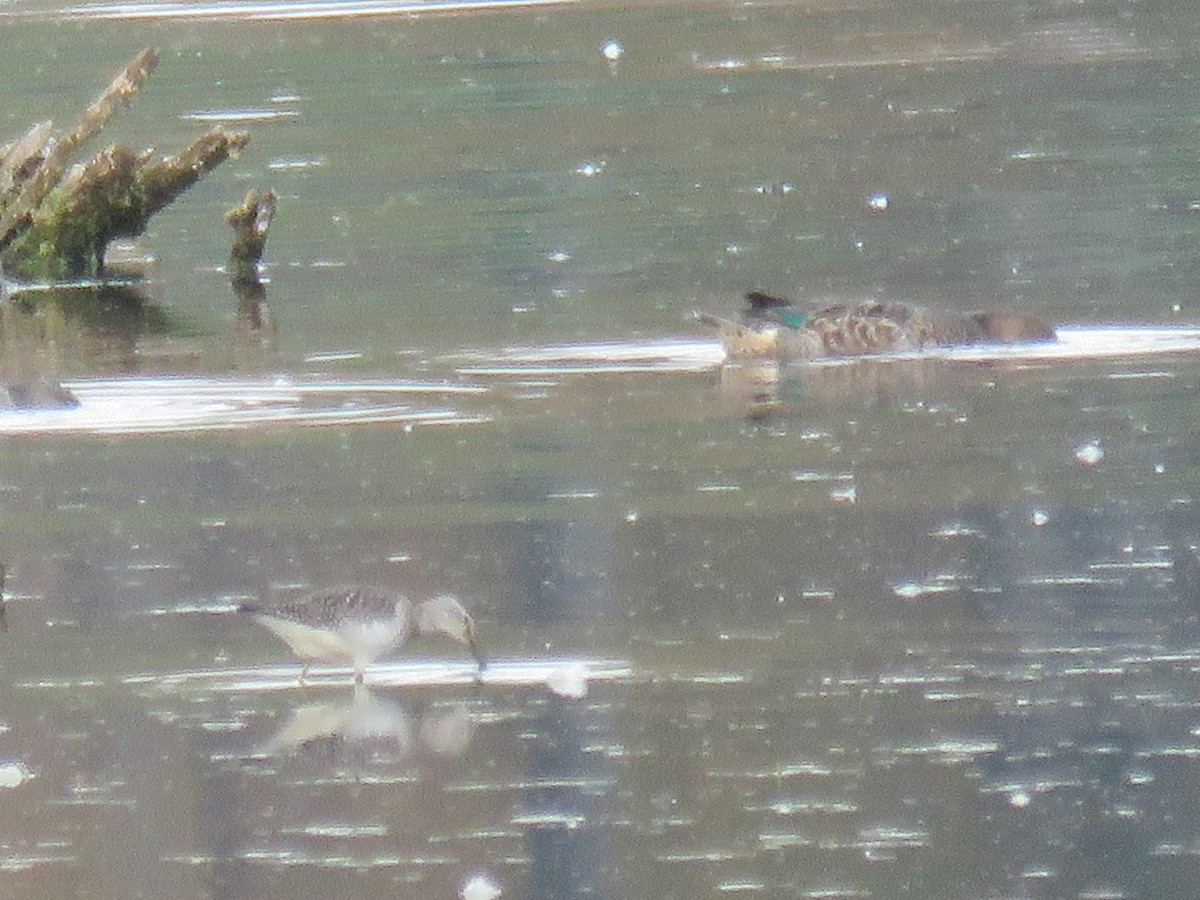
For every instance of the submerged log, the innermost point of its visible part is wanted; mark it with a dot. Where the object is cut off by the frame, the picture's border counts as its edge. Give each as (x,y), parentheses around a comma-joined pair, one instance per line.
(95,117)
(111,196)
(56,222)
(18,158)
(250,221)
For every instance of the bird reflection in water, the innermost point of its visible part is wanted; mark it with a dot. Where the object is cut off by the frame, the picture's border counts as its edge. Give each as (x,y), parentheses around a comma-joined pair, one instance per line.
(366,718)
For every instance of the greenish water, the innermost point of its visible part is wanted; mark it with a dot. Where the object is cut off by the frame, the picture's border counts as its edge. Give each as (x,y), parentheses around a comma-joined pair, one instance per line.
(883,630)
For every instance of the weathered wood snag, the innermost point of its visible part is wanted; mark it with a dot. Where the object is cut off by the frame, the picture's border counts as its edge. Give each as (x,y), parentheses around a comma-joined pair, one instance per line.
(55,221)
(250,221)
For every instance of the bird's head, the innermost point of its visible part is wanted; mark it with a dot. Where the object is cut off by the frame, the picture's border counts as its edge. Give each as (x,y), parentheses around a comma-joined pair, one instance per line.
(444,614)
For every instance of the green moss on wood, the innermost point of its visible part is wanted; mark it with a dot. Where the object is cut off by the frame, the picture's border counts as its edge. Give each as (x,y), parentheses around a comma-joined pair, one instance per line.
(55,221)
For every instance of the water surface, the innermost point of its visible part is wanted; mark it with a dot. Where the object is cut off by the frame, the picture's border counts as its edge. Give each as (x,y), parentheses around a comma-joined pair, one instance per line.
(909,626)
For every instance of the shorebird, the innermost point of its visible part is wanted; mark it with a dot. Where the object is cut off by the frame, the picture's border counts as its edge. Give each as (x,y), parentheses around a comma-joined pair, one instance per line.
(775,328)
(361,624)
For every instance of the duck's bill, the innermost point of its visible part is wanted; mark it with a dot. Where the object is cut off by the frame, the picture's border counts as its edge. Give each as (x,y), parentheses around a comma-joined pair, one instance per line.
(741,340)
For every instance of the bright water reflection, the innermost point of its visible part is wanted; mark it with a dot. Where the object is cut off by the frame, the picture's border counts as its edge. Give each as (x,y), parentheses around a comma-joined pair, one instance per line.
(910,626)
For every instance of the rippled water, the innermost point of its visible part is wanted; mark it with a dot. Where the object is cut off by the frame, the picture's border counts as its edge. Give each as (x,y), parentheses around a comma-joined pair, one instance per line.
(922,625)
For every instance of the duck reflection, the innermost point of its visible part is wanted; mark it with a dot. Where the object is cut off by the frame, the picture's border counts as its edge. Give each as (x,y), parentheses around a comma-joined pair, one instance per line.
(758,389)
(367,718)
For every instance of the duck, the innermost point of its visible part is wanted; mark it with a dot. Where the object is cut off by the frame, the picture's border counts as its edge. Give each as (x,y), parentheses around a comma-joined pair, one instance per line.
(773,327)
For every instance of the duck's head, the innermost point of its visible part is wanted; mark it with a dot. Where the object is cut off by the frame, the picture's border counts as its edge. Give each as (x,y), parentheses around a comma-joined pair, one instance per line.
(742,340)
(1008,327)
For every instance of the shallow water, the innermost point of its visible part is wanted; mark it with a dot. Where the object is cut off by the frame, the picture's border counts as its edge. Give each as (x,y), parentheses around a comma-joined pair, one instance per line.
(923,625)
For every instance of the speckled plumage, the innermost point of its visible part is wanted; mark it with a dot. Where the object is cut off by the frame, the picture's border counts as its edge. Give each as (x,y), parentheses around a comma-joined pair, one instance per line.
(328,608)
(772,327)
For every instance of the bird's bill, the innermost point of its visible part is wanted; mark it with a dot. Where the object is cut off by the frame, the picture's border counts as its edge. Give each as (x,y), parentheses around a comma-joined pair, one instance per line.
(473,644)
(742,340)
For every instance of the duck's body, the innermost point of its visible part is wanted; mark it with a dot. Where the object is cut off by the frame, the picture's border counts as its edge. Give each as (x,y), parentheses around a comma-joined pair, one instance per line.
(360,624)
(772,327)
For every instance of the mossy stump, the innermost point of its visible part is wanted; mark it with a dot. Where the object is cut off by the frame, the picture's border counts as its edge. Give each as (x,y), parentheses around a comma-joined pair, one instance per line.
(56,220)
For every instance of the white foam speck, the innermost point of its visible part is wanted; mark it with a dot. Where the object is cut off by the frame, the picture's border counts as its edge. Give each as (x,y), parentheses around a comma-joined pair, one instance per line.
(569,681)
(479,886)
(612,50)
(1089,453)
